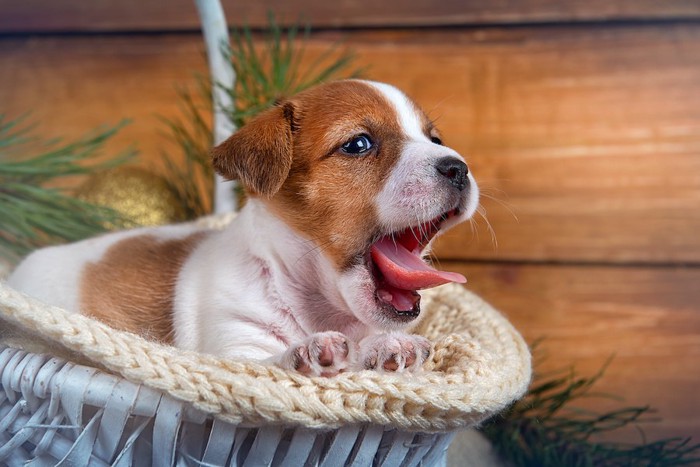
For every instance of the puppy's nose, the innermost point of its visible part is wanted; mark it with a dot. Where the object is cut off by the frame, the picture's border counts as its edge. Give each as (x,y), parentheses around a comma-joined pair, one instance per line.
(454,170)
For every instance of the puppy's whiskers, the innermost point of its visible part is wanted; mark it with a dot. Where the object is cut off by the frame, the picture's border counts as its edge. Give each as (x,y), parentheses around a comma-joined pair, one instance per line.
(392,236)
(421,233)
(504,204)
(474,229)
(317,247)
(482,212)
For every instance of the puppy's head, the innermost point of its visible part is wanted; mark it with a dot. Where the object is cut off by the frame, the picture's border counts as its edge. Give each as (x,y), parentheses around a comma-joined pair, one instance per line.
(359,169)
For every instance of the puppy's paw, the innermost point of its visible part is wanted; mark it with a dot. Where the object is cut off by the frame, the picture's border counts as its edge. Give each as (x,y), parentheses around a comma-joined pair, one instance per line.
(394,352)
(321,354)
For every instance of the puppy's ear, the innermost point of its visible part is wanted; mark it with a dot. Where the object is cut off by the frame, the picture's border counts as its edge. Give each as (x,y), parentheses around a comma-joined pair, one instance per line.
(260,153)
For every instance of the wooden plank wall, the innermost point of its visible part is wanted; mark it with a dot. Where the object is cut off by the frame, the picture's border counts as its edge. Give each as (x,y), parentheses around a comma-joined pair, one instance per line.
(580,119)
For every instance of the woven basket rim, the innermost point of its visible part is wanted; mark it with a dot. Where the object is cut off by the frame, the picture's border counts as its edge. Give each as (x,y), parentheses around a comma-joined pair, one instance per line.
(481,365)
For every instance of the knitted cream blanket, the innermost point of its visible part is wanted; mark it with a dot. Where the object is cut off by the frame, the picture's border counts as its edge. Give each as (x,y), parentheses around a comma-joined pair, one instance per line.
(480,365)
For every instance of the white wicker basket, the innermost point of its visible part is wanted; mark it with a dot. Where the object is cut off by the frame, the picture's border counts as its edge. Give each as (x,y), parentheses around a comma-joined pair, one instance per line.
(53,412)
(144,403)
(76,392)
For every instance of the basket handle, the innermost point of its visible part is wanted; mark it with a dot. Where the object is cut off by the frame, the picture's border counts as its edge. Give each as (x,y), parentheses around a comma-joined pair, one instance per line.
(223,77)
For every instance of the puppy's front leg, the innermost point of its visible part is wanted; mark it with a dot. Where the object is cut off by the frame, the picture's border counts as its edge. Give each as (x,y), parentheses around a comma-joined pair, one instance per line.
(394,352)
(321,354)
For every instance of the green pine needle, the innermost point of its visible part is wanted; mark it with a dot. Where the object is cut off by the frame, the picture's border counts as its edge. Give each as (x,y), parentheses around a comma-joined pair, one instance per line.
(264,74)
(33,215)
(190,174)
(544,429)
(274,71)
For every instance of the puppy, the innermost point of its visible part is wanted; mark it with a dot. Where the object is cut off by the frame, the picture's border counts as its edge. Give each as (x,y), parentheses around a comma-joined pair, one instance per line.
(348,184)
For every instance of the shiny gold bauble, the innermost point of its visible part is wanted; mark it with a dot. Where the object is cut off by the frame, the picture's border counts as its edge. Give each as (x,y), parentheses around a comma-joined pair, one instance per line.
(142,197)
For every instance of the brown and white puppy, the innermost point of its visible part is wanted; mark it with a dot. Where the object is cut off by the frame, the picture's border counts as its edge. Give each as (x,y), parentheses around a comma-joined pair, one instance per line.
(349,182)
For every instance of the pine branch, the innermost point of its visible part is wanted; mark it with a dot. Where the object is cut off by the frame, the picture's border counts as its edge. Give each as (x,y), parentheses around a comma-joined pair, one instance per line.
(275,70)
(34,215)
(265,73)
(191,174)
(544,429)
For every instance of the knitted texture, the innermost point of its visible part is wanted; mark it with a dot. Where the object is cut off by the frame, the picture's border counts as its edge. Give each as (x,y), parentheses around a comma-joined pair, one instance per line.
(480,365)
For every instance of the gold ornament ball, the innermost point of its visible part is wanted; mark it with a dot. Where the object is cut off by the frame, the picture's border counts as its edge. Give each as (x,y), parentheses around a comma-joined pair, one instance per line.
(142,197)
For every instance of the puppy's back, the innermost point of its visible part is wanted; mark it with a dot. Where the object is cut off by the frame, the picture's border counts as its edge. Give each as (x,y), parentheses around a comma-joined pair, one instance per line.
(125,279)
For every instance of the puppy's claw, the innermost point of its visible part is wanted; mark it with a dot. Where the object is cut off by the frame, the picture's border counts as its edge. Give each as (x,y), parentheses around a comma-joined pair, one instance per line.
(300,358)
(322,354)
(391,364)
(394,352)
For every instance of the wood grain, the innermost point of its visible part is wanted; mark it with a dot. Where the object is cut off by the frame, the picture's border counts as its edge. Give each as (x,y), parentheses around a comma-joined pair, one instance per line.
(589,136)
(177,15)
(72,85)
(648,319)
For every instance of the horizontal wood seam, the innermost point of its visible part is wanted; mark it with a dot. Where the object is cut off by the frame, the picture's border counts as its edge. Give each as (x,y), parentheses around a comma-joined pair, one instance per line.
(514,25)
(444,261)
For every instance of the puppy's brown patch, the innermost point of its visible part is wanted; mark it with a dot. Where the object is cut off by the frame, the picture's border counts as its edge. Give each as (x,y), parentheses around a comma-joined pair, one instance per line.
(132,287)
(259,154)
(328,196)
(290,156)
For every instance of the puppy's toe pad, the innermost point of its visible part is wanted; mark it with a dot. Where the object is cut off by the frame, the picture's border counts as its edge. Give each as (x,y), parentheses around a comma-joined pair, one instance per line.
(394,352)
(321,354)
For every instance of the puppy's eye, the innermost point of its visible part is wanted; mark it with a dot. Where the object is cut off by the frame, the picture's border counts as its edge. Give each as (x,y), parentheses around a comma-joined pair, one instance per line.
(436,140)
(358,145)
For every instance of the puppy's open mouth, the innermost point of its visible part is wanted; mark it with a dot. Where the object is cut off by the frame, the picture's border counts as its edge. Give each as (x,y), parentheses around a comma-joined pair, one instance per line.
(399,270)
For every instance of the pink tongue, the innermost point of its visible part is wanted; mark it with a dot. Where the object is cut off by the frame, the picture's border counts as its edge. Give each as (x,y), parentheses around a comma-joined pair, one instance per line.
(407,271)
